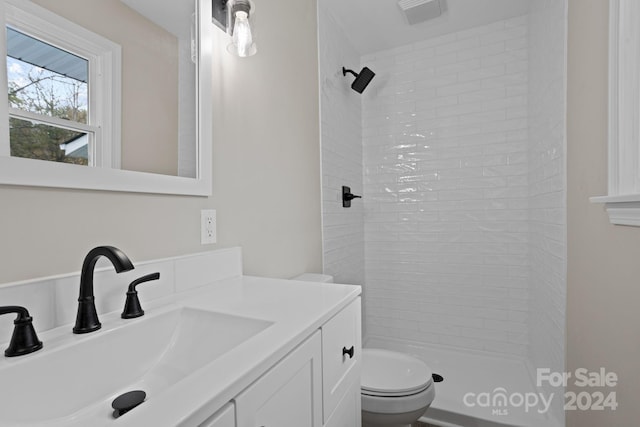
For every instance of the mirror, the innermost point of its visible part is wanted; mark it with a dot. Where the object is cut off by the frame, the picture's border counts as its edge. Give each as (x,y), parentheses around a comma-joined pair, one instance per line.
(143,127)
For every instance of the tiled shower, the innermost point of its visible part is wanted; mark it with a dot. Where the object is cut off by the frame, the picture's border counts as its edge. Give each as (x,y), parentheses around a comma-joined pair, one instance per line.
(445,180)
(458,148)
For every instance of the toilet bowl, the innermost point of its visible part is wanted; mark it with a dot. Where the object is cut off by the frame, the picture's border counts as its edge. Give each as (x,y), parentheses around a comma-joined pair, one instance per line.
(396,388)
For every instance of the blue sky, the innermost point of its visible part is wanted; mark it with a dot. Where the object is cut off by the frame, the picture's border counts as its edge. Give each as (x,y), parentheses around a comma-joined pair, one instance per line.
(61,86)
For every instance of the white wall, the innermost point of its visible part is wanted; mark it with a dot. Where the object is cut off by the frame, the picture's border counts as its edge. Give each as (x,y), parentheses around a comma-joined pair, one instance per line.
(267,143)
(445,149)
(603,270)
(341,141)
(547,184)
(266,179)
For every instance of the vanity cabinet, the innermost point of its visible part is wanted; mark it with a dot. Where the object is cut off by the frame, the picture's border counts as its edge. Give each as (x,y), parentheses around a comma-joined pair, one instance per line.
(316,385)
(214,349)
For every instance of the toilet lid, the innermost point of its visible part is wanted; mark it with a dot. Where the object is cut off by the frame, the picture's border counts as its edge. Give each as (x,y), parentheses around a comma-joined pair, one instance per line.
(389,373)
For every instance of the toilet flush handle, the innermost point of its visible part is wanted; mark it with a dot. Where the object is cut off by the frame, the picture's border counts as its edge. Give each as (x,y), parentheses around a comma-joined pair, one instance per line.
(348,351)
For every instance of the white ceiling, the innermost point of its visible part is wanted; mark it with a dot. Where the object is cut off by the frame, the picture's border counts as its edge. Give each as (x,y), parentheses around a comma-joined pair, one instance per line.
(374,25)
(174,16)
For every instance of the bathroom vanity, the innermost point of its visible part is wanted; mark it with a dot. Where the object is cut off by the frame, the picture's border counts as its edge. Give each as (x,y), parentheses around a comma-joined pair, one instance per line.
(306,379)
(214,349)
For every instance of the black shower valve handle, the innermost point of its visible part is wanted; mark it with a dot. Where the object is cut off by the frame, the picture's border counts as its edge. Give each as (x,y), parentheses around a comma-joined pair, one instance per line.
(347,196)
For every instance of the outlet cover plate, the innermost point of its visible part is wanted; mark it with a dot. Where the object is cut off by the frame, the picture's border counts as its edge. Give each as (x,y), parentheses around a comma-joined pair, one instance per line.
(208,225)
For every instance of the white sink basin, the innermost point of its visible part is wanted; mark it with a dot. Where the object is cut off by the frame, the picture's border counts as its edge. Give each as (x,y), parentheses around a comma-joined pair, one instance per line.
(66,382)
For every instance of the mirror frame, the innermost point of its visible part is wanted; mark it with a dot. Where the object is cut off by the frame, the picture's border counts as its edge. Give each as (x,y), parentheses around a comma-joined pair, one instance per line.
(38,173)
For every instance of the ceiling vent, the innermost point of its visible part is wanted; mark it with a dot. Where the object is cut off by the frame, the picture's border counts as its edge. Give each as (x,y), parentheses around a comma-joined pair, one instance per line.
(417,11)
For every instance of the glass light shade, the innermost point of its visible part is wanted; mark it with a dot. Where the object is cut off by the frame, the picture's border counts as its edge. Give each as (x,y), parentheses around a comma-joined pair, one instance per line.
(242,40)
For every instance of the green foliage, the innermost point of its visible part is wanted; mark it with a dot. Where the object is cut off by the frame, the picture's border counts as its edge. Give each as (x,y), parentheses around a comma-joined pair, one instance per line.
(40,141)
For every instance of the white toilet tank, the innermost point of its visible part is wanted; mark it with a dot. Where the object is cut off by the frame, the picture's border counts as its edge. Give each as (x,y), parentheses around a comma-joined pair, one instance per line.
(314,277)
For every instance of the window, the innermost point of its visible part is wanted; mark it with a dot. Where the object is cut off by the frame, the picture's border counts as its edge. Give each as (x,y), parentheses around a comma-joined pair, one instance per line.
(62,88)
(44,80)
(623,199)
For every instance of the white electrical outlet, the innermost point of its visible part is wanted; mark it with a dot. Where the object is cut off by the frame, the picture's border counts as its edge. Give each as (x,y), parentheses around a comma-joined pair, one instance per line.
(207,226)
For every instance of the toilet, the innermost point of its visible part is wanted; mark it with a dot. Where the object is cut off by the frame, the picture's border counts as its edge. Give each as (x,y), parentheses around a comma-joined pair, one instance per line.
(396,388)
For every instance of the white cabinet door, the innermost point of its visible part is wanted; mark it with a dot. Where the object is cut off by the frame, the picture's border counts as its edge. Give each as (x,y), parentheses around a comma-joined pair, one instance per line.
(223,418)
(341,355)
(288,395)
(348,411)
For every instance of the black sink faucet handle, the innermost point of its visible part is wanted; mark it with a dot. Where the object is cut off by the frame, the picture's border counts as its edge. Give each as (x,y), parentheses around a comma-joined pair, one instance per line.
(24,339)
(132,307)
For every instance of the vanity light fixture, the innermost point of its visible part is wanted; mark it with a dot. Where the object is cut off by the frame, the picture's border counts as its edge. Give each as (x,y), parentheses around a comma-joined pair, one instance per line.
(236,17)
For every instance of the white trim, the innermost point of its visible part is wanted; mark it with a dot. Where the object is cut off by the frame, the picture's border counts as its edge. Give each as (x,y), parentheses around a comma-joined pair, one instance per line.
(626,215)
(41,173)
(626,198)
(53,121)
(28,172)
(5,148)
(204,81)
(622,210)
(624,114)
(614,17)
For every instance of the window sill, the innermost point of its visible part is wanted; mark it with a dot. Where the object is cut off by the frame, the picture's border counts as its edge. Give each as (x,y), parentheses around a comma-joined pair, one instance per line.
(622,210)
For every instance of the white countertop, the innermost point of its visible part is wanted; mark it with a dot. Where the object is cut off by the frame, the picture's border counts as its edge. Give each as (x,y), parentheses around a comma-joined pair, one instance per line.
(296,310)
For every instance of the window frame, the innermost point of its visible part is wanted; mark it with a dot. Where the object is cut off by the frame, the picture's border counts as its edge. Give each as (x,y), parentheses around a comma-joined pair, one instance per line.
(104,87)
(622,201)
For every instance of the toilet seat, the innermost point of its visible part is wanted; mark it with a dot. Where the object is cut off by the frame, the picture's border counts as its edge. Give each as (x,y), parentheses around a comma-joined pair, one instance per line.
(391,374)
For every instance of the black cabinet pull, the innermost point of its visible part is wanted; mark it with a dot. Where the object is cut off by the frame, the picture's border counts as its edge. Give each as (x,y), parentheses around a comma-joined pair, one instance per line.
(348,351)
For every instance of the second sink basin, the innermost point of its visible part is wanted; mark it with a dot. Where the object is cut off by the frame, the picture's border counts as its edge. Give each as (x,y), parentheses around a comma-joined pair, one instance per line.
(63,384)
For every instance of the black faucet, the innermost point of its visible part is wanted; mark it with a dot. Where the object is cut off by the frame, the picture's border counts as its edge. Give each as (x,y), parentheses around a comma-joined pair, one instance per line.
(24,339)
(87,318)
(132,307)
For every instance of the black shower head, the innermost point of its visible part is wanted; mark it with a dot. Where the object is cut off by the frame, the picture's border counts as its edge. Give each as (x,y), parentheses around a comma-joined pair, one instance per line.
(362,80)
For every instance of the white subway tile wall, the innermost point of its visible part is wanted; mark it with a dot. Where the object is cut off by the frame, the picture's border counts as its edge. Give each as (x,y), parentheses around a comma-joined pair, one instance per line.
(464,176)
(446,176)
(547,201)
(341,141)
